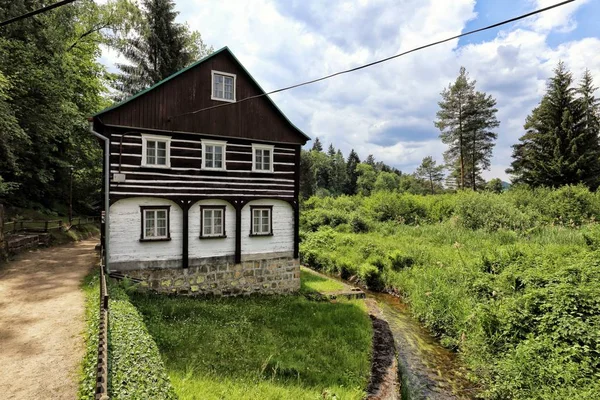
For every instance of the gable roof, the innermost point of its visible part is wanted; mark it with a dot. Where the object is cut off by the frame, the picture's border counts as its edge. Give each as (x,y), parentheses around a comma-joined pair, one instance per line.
(202,60)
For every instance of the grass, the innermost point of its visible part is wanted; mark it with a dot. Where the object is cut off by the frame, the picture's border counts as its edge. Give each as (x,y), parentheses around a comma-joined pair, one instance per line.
(311,282)
(280,347)
(87,381)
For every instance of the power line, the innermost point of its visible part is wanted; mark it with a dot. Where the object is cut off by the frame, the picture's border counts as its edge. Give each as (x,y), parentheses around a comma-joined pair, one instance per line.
(382,60)
(36,12)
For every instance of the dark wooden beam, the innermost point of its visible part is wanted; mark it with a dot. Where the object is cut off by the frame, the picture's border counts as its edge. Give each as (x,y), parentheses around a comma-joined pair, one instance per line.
(186,235)
(238,231)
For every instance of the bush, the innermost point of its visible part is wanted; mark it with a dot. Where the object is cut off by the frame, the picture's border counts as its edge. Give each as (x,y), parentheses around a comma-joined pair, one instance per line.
(489,212)
(371,276)
(388,206)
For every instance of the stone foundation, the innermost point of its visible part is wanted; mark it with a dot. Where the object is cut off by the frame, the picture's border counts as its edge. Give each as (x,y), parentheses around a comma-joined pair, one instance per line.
(220,276)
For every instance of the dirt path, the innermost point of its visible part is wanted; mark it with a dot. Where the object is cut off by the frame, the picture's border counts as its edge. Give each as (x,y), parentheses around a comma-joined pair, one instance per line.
(41,321)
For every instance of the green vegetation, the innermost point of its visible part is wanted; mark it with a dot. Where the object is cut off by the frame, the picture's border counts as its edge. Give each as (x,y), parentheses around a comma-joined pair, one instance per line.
(280,347)
(136,370)
(87,383)
(311,282)
(511,281)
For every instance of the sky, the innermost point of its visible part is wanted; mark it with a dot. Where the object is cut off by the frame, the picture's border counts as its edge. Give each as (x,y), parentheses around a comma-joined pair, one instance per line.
(388,110)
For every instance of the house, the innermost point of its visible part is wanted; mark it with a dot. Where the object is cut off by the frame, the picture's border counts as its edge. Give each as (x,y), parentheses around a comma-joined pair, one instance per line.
(203,202)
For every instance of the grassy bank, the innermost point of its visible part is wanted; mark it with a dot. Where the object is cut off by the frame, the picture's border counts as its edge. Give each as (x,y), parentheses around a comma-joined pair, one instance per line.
(136,370)
(280,347)
(514,289)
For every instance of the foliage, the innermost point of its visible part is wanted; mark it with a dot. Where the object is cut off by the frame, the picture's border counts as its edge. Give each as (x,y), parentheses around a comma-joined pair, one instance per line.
(466,119)
(429,171)
(136,370)
(50,82)
(87,382)
(510,280)
(261,347)
(160,48)
(560,146)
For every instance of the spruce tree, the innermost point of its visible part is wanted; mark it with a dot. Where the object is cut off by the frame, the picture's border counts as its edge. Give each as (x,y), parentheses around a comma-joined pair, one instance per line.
(370,160)
(428,170)
(352,175)
(161,48)
(331,150)
(317,146)
(560,146)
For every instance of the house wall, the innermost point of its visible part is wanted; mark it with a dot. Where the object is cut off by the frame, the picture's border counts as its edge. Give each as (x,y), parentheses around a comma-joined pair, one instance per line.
(282,240)
(213,247)
(126,250)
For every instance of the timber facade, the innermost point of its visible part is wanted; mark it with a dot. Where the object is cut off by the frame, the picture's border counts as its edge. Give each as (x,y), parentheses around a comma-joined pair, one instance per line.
(204,187)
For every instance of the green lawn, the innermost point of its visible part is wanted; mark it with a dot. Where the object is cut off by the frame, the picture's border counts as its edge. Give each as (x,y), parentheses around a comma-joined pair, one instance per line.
(278,347)
(316,283)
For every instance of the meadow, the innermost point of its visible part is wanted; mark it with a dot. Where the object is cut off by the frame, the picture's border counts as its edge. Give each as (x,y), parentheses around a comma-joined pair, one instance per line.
(509,281)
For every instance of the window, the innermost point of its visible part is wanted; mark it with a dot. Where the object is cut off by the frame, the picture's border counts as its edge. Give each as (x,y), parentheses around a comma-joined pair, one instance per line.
(261,224)
(156,151)
(213,154)
(223,86)
(155,223)
(262,158)
(212,221)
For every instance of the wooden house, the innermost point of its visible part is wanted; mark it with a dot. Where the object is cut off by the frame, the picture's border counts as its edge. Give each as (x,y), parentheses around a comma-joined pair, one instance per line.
(203,202)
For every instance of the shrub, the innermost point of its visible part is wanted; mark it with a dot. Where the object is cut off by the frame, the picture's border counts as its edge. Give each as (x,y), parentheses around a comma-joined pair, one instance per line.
(399,261)
(371,276)
(388,206)
(359,224)
(489,212)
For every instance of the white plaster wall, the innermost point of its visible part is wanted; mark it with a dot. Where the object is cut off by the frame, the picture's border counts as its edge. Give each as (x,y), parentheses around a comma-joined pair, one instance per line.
(213,247)
(125,230)
(283,229)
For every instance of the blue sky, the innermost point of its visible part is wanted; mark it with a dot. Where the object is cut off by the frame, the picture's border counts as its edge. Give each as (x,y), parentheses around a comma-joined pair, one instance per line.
(388,110)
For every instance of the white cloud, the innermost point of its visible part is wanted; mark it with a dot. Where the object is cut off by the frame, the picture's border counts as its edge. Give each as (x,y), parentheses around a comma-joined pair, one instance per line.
(393,104)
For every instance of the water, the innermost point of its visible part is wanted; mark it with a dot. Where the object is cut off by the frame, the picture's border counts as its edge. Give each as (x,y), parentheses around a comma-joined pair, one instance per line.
(427,370)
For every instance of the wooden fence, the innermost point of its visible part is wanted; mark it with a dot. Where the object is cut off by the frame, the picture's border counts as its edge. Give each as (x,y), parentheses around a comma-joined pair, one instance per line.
(40,226)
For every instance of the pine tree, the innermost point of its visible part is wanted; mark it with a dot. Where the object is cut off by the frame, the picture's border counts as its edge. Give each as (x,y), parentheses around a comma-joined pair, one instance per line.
(431,172)
(466,119)
(560,146)
(331,150)
(352,175)
(317,146)
(161,48)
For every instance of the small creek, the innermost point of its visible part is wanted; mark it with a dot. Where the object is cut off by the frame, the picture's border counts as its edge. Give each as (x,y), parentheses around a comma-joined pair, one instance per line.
(427,370)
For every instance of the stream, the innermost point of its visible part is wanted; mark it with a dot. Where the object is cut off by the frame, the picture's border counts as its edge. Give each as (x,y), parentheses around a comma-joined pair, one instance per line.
(427,370)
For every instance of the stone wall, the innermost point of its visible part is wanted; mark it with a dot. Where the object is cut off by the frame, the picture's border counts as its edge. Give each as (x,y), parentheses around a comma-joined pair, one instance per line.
(220,276)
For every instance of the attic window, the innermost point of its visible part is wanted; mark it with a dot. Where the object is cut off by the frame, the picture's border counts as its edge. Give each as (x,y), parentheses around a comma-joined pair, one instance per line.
(223,86)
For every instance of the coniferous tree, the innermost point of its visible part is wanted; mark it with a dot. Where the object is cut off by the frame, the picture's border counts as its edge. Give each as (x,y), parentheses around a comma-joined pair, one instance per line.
(161,48)
(370,160)
(560,146)
(466,119)
(339,174)
(317,146)
(352,175)
(331,150)
(431,172)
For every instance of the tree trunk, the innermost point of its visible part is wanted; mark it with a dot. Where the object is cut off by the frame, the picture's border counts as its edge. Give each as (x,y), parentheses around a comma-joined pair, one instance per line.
(431,182)
(473,184)
(460,143)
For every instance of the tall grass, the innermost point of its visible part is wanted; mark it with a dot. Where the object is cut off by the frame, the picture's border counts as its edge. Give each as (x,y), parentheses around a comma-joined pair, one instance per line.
(511,281)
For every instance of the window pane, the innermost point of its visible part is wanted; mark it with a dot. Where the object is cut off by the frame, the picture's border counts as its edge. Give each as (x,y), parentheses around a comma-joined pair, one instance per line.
(161,232)
(150,152)
(207,230)
(218,150)
(161,145)
(218,89)
(149,223)
(218,230)
(218,164)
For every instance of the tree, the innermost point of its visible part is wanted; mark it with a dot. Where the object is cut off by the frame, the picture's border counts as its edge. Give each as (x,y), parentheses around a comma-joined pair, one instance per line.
(428,170)
(352,174)
(466,119)
(494,186)
(331,150)
(366,179)
(370,160)
(317,146)
(160,48)
(308,177)
(339,174)
(386,181)
(560,145)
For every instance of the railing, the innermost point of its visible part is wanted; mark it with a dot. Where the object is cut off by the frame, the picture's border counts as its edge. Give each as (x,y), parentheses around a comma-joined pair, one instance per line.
(102,366)
(40,226)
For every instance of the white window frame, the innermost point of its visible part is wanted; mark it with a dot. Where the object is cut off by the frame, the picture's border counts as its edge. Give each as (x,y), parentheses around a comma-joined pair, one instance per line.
(255,147)
(145,219)
(259,232)
(156,138)
(212,209)
(212,86)
(214,143)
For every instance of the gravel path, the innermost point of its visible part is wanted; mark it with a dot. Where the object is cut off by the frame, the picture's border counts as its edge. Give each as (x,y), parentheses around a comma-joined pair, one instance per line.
(42,320)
